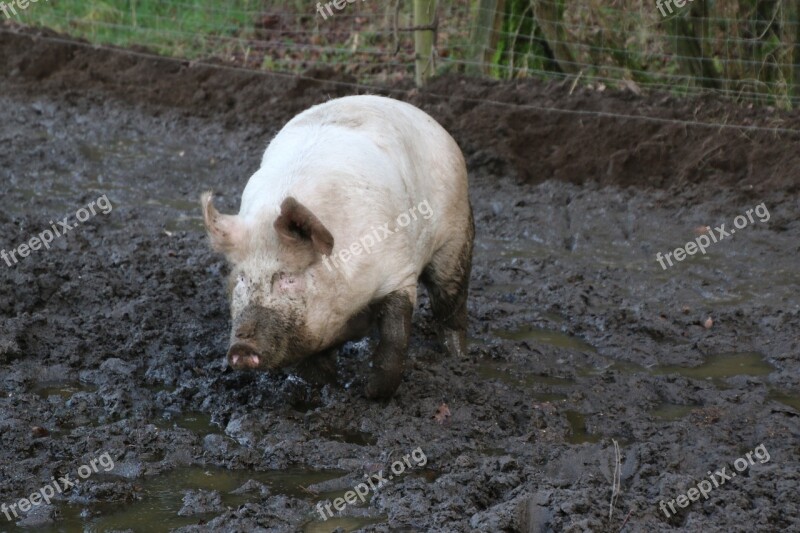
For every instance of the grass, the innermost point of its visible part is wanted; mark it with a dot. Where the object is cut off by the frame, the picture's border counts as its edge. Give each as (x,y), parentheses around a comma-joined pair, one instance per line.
(183,28)
(741,48)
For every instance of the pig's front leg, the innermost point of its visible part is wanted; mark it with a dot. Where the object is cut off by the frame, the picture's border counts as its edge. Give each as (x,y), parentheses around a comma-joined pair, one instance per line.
(319,369)
(394,325)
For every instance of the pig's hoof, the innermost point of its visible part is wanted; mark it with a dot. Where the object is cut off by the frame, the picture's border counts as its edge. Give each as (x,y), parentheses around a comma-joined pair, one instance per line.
(455,342)
(381,386)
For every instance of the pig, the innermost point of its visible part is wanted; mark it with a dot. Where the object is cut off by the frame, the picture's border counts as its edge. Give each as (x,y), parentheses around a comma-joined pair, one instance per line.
(356,200)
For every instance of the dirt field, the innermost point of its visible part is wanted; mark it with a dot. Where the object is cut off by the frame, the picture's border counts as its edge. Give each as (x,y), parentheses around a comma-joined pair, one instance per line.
(113,340)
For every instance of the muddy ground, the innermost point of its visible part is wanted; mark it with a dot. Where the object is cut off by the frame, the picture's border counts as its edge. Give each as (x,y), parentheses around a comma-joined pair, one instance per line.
(112,341)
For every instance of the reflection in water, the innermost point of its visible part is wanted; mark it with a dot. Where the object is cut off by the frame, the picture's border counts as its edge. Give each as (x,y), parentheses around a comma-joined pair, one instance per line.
(670,412)
(721,366)
(578,432)
(159,498)
(546,336)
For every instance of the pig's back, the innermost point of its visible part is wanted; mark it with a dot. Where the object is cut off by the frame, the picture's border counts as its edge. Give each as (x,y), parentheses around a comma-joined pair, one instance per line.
(360,161)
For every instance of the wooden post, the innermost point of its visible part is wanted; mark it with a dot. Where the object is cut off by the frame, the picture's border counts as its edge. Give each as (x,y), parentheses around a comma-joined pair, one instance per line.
(796,52)
(485,14)
(424,11)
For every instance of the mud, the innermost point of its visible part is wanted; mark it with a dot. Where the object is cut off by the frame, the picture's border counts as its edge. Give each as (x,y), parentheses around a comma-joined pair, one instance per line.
(112,341)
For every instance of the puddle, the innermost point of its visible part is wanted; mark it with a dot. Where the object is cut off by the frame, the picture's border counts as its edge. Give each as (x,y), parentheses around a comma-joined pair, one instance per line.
(342,523)
(428,475)
(184,223)
(162,498)
(63,389)
(623,367)
(790,399)
(721,366)
(670,412)
(196,422)
(505,372)
(362,438)
(579,434)
(546,336)
(102,161)
(716,367)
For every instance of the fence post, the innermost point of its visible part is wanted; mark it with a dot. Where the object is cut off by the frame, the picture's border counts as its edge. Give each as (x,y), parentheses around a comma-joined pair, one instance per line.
(485,32)
(423,40)
(796,54)
(549,16)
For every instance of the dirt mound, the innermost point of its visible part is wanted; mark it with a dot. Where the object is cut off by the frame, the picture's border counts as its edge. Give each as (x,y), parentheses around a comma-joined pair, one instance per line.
(502,127)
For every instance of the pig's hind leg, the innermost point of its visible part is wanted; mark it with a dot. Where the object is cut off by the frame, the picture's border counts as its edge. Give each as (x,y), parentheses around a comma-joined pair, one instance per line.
(394,325)
(447,280)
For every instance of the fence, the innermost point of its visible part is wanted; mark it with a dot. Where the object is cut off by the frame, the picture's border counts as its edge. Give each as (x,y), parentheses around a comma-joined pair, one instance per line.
(747,50)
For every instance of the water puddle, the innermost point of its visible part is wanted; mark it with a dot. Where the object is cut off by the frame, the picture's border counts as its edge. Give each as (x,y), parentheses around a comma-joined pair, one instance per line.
(361,438)
(345,524)
(623,367)
(340,487)
(546,336)
(549,397)
(790,399)
(196,422)
(718,367)
(62,389)
(671,412)
(162,498)
(506,373)
(176,165)
(578,432)
(715,368)
(185,223)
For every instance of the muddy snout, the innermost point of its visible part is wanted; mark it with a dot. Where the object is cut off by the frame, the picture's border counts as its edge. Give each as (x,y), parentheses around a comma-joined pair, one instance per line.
(243,355)
(260,339)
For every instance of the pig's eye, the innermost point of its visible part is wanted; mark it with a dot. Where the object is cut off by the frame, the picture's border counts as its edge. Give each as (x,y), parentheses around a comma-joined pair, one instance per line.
(285,282)
(281,279)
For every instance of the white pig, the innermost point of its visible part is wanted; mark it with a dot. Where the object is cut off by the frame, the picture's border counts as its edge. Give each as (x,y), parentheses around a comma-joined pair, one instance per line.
(355,201)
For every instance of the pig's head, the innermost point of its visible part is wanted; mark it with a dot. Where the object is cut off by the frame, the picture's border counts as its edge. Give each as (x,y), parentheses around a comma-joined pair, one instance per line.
(271,282)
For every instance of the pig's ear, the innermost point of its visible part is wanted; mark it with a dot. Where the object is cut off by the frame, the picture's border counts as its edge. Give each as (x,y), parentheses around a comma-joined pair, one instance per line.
(297,226)
(226,232)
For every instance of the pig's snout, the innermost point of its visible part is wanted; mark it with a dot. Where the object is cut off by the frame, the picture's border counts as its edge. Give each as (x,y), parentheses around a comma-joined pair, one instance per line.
(261,339)
(242,355)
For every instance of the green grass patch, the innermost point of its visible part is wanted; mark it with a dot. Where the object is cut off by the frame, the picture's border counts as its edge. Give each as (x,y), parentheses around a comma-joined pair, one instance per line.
(183,28)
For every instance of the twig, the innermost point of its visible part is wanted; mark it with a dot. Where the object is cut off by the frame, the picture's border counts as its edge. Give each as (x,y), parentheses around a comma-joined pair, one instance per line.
(625,521)
(615,483)
(307,490)
(574,83)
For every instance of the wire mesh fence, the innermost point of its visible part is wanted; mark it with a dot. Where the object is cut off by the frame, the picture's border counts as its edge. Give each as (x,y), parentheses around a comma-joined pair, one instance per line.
(747,50)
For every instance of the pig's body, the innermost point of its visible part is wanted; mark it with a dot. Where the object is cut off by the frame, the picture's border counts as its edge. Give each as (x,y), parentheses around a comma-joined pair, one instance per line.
(349,167)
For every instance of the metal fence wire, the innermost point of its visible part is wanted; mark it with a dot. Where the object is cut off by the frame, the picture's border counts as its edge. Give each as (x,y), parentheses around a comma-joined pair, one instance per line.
(746,50)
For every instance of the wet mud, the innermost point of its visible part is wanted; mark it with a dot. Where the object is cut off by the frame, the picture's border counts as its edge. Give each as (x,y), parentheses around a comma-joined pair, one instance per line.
(113,339)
